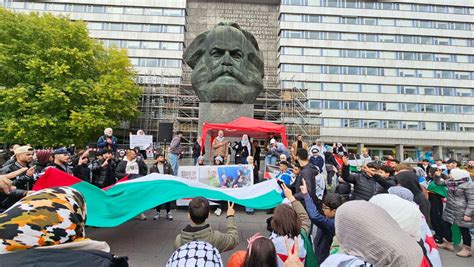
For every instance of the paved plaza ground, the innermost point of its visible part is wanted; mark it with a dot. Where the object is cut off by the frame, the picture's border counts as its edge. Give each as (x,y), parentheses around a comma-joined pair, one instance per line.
(150,243)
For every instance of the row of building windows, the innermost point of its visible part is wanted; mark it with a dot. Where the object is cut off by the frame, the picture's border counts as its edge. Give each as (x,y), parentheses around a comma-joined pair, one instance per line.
(127,10)
(135,27)
(158,79)
(378,21)
(390,106)
(380,88)
(377,71)
(394,124)
(155,62)
(381,38)
(134,44)
(374,54)
(382,5)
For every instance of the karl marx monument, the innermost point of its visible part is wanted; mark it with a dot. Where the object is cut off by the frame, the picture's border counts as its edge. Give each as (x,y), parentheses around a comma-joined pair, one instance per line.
(227,72)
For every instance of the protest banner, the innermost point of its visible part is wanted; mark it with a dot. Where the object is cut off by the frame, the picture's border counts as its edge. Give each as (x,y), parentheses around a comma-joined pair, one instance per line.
(226,176)
(142,141)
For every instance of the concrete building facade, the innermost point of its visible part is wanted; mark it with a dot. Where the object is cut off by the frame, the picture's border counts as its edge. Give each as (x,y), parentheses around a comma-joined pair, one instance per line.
(394,76)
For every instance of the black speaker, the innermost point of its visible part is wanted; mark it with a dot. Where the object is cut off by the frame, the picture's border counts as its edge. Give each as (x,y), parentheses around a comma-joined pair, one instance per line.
(165,132)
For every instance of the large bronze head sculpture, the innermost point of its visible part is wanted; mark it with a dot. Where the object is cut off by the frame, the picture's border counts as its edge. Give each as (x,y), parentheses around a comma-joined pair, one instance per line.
(227,65)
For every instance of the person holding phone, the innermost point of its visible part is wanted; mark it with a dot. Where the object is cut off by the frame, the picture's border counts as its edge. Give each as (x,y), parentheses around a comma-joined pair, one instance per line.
(81,166)
(103,169)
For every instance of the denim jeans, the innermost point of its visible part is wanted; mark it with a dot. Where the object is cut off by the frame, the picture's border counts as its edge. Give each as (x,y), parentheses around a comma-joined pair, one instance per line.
(174,161)
(270,160)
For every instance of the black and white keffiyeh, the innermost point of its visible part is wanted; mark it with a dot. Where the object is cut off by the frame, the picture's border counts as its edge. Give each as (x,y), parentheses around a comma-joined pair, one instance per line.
(195,253)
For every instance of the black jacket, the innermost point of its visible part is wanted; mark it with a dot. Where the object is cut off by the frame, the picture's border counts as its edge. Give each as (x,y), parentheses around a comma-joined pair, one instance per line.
(197,150)
(364,186)
(61,258)
(82,172)
(103,176)
(6,201)
(166,168)
(22,181)
(308,173)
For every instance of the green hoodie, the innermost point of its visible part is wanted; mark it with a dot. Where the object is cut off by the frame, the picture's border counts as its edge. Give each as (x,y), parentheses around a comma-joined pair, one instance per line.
(203,232)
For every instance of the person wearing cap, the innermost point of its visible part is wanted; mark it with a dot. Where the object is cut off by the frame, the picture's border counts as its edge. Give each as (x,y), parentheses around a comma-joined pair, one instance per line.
(277,149)
(103,169)
(316,159)
(61,161)
(108,140)
(459,210)
(299,143)
(23,158)
(162,166)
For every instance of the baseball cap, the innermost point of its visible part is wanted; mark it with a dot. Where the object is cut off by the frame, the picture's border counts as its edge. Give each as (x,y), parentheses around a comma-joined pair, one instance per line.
(314,150)
(61,150)
(272,141)
(23,149)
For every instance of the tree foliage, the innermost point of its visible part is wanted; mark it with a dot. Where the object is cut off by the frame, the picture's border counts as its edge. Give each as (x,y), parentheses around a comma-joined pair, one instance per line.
(57,85)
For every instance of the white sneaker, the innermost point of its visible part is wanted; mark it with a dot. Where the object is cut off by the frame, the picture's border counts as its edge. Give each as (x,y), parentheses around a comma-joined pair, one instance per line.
(218,212)
(142,217)
(169,217)
(157,216)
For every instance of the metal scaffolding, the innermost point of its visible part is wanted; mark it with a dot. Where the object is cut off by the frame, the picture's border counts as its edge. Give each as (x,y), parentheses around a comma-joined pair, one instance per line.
(178,104)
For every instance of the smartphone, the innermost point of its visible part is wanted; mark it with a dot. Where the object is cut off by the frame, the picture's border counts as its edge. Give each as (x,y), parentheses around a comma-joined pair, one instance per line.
(280,183)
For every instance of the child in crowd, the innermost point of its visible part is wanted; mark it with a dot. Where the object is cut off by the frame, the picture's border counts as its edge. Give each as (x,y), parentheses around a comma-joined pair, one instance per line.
(199,230)
(325,223)
(291,221)
(260,252)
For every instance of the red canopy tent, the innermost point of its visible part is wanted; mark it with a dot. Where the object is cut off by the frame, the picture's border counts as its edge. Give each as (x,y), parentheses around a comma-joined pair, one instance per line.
(243,125)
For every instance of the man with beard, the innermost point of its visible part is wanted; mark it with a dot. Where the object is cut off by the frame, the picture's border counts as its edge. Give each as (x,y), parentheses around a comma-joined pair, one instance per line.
(23,158)
(61,161)
(108,140)
(227,65)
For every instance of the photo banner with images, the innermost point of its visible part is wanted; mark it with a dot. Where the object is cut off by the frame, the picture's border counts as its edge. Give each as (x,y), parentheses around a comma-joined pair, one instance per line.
(143,141)
(225,176)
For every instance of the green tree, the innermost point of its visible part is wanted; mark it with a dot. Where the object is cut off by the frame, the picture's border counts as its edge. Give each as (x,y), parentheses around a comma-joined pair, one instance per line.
(58,85)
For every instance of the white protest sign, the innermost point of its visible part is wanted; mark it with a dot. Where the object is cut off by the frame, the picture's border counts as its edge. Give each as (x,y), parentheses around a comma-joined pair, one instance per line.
(142,141)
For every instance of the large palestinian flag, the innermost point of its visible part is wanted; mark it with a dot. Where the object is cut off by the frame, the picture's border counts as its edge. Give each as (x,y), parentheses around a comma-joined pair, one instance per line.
(128,198)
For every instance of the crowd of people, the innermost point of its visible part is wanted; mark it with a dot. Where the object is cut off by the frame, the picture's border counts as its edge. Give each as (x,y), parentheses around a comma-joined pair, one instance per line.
(365,211)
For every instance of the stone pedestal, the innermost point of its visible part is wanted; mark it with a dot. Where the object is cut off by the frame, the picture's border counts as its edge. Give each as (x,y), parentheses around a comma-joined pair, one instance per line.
(221,113)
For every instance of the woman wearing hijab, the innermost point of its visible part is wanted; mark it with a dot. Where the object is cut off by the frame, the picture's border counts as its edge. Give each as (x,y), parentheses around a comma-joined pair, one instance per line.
(459,210)
(243,149)
(410,219)
(48,227)
(368,236)
(409,180)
